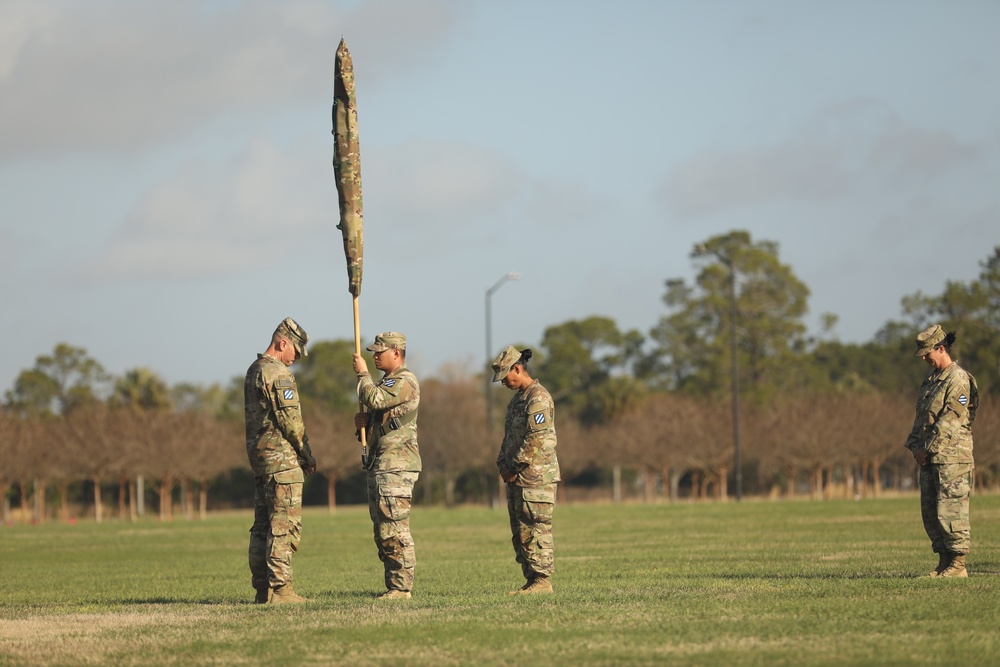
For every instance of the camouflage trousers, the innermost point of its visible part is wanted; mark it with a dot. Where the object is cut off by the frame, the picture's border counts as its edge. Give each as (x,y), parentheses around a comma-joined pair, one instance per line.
(530,510)
(277,527)
(389,496)
(944,505)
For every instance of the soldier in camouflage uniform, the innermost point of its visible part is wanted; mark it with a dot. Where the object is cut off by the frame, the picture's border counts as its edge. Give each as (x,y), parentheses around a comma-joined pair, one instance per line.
(528,465)
(941,444)
(279,454)
(393,461)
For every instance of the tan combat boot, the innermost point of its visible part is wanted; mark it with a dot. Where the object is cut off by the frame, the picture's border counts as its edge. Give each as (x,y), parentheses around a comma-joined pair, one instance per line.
(394,595)
(263,595)
(285,594)
(956,570)
(537,585)
(944,560)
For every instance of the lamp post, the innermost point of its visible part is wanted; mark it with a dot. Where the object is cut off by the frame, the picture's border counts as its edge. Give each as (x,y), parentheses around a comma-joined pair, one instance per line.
(489,345)
(737,459)
(701,250)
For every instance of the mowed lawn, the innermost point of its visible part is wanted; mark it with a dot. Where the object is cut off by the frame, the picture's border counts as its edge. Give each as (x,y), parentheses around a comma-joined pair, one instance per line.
(752,583)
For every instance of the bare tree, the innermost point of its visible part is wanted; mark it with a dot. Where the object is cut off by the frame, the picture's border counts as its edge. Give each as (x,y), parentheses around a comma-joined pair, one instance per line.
(335,446)
(708,427)
(155,437)
(6,456)
(877,425)
(577,449)
(986,439)
(453,435)
(20,456)
(203,447)
(96,437)
(663,435)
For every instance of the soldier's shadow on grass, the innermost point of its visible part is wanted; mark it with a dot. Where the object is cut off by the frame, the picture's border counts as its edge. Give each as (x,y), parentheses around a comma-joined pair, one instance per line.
(347,596)
(832,576)
(326,596)
(989,570)
(160,600)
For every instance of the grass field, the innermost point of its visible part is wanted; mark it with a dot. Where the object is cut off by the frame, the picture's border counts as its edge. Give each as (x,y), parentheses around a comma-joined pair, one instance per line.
(755,583)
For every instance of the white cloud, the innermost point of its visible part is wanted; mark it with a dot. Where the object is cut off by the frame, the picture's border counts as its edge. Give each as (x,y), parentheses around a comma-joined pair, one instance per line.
(19,21)
(121,75)
(847,150)
(212,219)
(442,184)
(426,188)
(269,201)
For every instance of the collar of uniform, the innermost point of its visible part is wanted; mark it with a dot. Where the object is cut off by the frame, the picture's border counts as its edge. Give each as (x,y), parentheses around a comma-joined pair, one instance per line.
(533,383)
(945,372)
(396,372)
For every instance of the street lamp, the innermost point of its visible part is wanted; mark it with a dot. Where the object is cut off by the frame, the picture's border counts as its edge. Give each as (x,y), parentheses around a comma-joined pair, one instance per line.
(489,345)
(702,249)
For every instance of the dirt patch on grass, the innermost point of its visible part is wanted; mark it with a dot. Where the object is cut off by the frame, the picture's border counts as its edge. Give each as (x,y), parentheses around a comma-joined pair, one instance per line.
(88,638)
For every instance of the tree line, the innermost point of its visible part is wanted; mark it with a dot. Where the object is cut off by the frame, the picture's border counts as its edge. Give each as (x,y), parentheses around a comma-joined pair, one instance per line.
(639,416)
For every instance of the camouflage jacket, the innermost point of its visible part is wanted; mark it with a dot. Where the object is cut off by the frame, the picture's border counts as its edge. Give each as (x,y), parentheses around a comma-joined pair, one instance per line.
(395,396)
(946,408)
(529,437)
(273,414)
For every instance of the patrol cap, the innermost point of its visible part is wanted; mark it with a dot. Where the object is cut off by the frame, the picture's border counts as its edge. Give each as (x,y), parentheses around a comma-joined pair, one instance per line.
(290,329)
(928,338)
(507,358)
(388,340)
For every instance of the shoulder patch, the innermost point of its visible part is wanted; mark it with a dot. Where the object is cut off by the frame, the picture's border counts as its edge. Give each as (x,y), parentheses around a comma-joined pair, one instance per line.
(285,394)
(540,418)
(963,399)
(391,382)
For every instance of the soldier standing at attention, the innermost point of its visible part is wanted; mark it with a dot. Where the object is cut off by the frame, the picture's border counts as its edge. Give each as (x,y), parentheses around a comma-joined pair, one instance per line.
(393,461)
(528,465)
(279,454)
(941,443)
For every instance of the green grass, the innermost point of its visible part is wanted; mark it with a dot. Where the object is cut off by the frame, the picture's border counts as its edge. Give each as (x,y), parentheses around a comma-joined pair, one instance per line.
(756,583)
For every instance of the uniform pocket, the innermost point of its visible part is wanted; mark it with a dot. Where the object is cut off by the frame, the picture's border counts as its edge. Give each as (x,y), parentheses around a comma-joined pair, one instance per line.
(538,495)
(395,490)
(293,476)
(955,481)
(394,497)
(394,508)
(538,504)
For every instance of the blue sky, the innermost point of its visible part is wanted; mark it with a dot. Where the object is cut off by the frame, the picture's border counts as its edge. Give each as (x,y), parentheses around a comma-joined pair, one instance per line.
(167,196)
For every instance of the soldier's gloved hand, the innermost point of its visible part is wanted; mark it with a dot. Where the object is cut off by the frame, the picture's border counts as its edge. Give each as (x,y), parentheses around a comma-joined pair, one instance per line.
(360,420)
(920,456)
(309,467)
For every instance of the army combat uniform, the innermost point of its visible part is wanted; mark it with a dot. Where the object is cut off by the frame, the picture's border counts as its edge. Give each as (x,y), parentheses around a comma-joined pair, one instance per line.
(529,450)
(946,407)
(277,448)
(393,468)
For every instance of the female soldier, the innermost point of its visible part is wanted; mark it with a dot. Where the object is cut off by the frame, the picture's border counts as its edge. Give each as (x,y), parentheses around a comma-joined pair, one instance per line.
(941,443)
(528,465)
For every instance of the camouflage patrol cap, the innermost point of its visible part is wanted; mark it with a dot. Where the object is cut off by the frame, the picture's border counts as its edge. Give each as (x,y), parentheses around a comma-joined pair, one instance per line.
(388,340)
(928,338)
(290,329)
(502,364)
